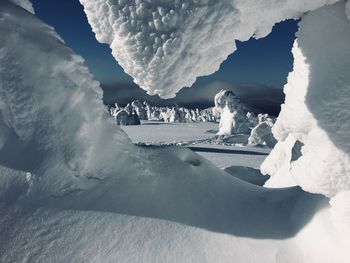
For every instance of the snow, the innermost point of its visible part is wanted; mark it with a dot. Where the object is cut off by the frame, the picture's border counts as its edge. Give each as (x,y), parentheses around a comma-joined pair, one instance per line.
(46,128)
(262,135)
(316,110)
(199,137)
(150,39)
(188,38)
(277,164)
(157,132)
(174,114)
(233,119)
(74,189)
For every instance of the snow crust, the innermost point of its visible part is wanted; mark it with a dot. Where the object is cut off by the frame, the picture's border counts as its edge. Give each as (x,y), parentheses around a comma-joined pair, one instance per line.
(165,44)
(316,110)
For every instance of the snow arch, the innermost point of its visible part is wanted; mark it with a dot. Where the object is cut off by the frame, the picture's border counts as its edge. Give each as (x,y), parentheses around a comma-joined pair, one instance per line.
(151,39)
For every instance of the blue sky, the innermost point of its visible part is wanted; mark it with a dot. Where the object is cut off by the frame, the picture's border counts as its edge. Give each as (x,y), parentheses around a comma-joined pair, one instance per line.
(263,62)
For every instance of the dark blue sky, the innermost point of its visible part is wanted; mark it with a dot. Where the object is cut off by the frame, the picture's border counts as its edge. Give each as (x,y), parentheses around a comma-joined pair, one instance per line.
(265,61)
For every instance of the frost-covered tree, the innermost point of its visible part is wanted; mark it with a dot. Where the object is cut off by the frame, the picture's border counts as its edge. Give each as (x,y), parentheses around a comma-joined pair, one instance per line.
(140,109)
(262,135)
(233,119)
(134,118)
(122,117)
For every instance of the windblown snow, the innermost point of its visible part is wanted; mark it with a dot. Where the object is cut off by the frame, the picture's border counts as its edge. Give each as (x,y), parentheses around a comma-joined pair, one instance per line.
(73,188)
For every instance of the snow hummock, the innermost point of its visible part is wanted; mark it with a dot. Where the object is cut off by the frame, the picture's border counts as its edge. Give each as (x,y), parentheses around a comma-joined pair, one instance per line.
(166,44)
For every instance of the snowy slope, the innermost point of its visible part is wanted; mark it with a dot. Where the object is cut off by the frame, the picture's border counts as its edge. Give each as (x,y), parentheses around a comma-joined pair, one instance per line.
(73,188)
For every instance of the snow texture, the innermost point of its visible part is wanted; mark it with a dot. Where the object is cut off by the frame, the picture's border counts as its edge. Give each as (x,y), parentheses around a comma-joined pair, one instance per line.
(316,110)
(166,44)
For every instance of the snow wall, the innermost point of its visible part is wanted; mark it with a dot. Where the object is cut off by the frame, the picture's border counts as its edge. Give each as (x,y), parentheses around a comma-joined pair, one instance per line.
(165,45)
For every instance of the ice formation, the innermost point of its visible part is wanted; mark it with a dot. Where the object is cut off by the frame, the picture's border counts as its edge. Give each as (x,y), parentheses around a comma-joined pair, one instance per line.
(316,110)
(188,38)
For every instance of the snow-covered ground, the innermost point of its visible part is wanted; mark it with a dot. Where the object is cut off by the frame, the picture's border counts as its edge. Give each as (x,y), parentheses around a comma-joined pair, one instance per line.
(161,132)
(199,137)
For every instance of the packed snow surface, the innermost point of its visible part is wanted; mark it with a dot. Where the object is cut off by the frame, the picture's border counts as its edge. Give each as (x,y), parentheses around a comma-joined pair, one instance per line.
(200,138)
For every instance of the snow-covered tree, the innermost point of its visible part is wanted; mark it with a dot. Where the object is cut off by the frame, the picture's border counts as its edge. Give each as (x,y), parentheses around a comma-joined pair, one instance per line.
(233,119)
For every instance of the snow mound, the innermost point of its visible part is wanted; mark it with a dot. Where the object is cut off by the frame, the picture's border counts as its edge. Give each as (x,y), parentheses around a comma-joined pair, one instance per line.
(165,44)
